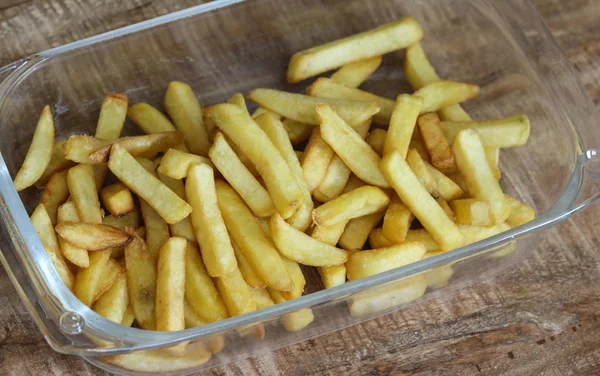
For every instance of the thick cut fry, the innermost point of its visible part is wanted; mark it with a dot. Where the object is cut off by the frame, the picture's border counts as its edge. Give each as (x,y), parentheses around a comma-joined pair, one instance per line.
(112,116)
(252,240)
(67,212)
(185,111)
(333,276)
(261,297)
(238,100)
(88,280)
(113,304)
(92,236)
(235,293)
(423,237)
(473,234)
(55,194)
(170,286)
(297,132)
(274,129)
(419,201)
(117,199)
(420,148)
(58,162)
(301,248)
(297,276)
(357,203)
(316,159)
(381,40)
(501,133)
(472,212)
(211,233)
(247,135)
(520,213)
(376,140)
(435,141)
(176,163)
(419,168)
(459,180)
(378,240)
(396,221)
(200,291)
(129,220)
(82,186)
(141,281)
(442,94)
(357,231)
(252,279)
(128,317)
(367,263)
(440,276)
(237,175)
(470,159)
(350,147)
(184,227)
(354,74)
(328,88)
(170,206)
(492,154)
(149,119)
(111,273)
(259,111)
(446,187)
(295,321)
(192,320)
(39,153)
(301,108)
(417,68)
(162,361)
(329,234)
(454,113)
(444,205)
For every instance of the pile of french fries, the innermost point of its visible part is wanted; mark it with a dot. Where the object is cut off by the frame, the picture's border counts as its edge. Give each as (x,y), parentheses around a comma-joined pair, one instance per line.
(210,213)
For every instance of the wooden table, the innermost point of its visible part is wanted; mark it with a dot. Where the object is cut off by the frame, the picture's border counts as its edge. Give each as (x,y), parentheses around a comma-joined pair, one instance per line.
(539,317)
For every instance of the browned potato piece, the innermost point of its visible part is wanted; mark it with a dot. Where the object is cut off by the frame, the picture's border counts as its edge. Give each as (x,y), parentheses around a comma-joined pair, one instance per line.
(435,141)
(117,199)
(92,236)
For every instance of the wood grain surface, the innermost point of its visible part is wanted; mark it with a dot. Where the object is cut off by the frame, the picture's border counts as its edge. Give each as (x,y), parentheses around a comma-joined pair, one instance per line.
(538,318)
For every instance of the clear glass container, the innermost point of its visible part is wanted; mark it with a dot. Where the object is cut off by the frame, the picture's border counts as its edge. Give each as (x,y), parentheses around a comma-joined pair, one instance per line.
(230,46)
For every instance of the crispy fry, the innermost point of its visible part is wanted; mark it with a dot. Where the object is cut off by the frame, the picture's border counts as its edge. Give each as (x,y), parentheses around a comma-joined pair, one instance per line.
(419,168)
(110,274)
(396,221)
(117,199)
(162,360)
(420,148)
(376,140)
(350,147)
(149,119)
(58,162)
(235,293)
(420,202)
(39,153)
(333,275)
(238,100)
(472,212)
(454,113)
(435,141)
(113,304)
(423,237)
(354,74)
(472,234)
(367,263)
(417,68)
(176,163)
(446,187)
(459,180)
(295,321)
(440,276)
(301,108)
(141,281)
(252,279)
(520,213)
(444,205)
(316,159)
(82,186)
(442,94)
(92,236)
(259,111)
(502,133)
(55,194)
(261,297)
(383,39)
(356,203)
(87,280)
(185,111)
(297,276)
(329,234)
(378,240)
(67,212)
(184,227)
(170,285)
(492,155)
(129,220)
(297,132)
(357,231)
(112,116)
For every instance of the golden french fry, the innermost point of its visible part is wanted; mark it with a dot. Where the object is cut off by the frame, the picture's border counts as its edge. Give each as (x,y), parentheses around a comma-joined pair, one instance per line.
(149,119)
(82,186)
(469,211)
(162,360)
(184,227)
(301,108)
(39,153)
(168,205)
(117,199)
(353,183)
(88,280)
(238,100)
(354,74)
(58,162)
(200,291)
(419,201)
(356,203)
(383,39)
(237,175)
(247,135)
(297,246)
(192,320)
(472,234)
(297,132)
(170,285)
(252,279)
(261,297)
(470,159)
(329,234)
(297,277)
(235,293)
(423,237)
(396,221)
(112,116)
(316,159)
(454,113)
(492,155)
(502,133)
(252,240)
(446,187)
(128,317)
(442,94)
(259,111)
(376,140)
(440,276)
(444,205)
(92,236)
(129,220)
(520,213)
(295,321)
(113,304)
(378,240)
(367,263)
(357,231)
(333,275)
(435,141)
(328,88)
(110,274)
(55,194)
(420,148)
(185,111)
(176,163)
(67,212)
(419,168)
(417,68)
(350,147)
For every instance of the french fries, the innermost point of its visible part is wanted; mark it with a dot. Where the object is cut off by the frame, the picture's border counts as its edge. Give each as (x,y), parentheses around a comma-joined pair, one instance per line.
(446,207)
(419,168)
(396,221)
(442,94)
(110,274)
(383,39)
(297,277)
(163,360)
(128,220)
(376,140)
(297,132)
(435,141)
(58,162)
(55,194)
(252,279)
(238,100)
(261,297)
(417,68)
(113,304)
(235,293)
(333,275)
(92,236)
(88,280)
(157,230)
(67,212)
(176,164)
(183,228)
(502,133)
(39,153)
(520,213)
(295,321)
(117,199)
(357,231)
(84,193)
(367,263)
(492,154)
(170,285)
(112,116)
(315,160)
(354,74)
(356,203)
(472,212)
(378,240)
(473,234)
(149,119)
(445,187)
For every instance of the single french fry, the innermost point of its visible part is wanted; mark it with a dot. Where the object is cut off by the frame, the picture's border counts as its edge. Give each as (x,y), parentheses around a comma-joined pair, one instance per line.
(112,116)
(168,205)
(444,205)
(354,74)
(247,135)
(297,277)
(420,148)
(367,263)
(252,279)
(396,221)
(200,291)
(357,231)
(353,183)
(235,293)
(446,187)
(460,182)
(492,154)
(87,280)
(442,94)
(149,119)
(502,133)
(333,275)
(185,111)
(299,247)
(176,163)
(184,227)
(378,240)
(316,159)
(237,175)
(435,141)
(383,39)
(192,320)
(55,194)
(469,211)
(419,201)
(440,276)
(328,88)
(350,147)
(297,132)
(520,213)
(238,100)
(261,297)
(113,304)
(39,153)
(473,234)
(117,199)
(417,69)
(259,111)
(376,140)
(128,317)
(423,237)
(92,236)
(252,240)
(357,203)
(129,220)
(170,285)
(470,159)
(419,168)
(301,108)
(295,321)
(82,186)
(162,361)
(454,113)
(58,162)
(110,274)
(67,212)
